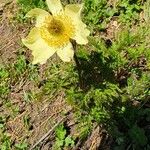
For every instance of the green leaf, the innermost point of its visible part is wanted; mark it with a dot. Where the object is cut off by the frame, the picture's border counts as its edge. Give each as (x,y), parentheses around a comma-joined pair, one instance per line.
(137,134)
(21,146)
(69,141)
(61,132)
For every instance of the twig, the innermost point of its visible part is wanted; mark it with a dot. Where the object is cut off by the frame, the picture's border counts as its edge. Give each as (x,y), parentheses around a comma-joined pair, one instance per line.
(47,134)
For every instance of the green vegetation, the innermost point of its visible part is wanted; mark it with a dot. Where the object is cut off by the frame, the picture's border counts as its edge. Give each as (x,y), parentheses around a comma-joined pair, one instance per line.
(109,84)
(25,6)
(61,139)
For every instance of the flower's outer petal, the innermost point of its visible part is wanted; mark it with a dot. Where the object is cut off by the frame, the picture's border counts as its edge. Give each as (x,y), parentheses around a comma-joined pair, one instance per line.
(54,6)
(66,53)
(40,15)
(40,50)
(74,11)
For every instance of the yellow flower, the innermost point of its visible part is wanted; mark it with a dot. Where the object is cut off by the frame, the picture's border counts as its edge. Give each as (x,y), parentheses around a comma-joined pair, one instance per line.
(52,32)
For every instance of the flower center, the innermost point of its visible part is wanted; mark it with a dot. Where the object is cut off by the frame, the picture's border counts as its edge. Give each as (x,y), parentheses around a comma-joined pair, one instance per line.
(57,30)
(55,27)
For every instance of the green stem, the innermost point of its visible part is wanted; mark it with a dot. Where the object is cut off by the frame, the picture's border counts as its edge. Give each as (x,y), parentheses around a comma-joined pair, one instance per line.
(78,65)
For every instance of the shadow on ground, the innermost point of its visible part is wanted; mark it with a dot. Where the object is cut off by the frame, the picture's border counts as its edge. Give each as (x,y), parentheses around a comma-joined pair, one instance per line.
(105,100)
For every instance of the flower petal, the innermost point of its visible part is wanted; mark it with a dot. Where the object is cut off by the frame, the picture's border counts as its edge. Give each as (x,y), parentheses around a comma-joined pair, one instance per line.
(66,53)
(40,15)
(54,6)
(40,50)
(74,11)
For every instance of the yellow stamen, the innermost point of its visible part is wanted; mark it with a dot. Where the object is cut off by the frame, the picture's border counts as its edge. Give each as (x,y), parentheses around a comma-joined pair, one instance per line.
(57,30)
